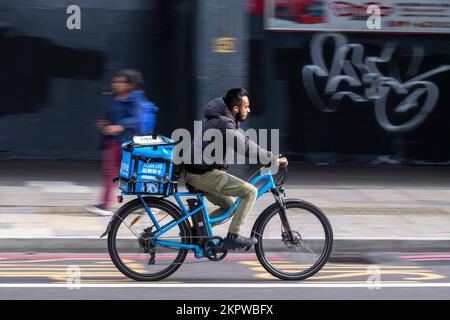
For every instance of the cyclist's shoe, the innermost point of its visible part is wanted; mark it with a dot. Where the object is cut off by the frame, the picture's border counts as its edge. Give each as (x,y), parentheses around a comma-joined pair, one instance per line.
(235,241)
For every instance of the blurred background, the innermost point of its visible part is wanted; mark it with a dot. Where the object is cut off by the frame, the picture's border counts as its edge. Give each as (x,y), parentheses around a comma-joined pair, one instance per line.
(364,115)
(193,51)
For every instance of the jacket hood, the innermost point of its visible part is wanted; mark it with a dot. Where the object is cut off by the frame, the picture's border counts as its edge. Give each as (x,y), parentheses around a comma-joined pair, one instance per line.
(139,96)
(136,94)
(217,108)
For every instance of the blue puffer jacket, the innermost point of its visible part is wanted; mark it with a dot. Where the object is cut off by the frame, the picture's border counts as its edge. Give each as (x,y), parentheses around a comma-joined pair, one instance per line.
(136,114)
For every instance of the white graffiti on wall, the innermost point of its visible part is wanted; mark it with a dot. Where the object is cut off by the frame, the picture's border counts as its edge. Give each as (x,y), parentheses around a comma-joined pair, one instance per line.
(376,86)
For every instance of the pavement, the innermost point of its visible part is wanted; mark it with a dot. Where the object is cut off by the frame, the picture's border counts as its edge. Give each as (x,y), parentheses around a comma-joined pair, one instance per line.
(398,208)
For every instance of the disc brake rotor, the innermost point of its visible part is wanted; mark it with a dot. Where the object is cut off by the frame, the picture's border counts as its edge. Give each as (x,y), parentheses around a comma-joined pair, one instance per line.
(294,243)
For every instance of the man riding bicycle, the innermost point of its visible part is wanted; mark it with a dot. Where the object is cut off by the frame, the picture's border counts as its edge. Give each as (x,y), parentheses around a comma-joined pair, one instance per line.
(225,114)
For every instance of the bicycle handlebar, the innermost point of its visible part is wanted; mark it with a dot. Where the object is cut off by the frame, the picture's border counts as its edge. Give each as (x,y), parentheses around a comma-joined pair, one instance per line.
(280,181)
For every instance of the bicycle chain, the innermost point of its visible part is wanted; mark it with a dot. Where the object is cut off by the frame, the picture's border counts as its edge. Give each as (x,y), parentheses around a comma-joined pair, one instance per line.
(168,264)
(206,260)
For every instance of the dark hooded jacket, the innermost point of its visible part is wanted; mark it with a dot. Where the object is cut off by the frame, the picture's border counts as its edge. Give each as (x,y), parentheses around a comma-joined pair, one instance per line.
(218,116)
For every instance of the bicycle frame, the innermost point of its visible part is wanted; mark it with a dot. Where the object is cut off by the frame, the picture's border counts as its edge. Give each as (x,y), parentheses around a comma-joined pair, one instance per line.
(268,185)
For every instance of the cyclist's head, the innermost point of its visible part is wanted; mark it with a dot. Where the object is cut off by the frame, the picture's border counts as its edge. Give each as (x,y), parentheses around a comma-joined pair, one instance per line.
(238,103)
(126,81)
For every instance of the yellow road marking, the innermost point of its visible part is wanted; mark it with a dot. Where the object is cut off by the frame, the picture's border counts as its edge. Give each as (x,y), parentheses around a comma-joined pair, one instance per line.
(348,271)
(407,273)
(356,266)
(58,270)
(340,269)
(102,270)
(417,275)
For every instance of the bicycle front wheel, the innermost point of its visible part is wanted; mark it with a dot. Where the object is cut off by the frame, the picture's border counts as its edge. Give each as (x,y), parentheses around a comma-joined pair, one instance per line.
(130,242)
(304,254)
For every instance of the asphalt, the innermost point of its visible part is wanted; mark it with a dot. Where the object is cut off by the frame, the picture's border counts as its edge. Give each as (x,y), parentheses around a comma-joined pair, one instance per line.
(239,276)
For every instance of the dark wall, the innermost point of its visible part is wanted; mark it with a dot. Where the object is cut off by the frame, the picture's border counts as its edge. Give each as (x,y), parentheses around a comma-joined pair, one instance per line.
(52,78)
(402,118)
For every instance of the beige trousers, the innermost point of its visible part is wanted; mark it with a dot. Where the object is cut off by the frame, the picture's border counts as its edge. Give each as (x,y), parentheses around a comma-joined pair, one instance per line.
(220,188)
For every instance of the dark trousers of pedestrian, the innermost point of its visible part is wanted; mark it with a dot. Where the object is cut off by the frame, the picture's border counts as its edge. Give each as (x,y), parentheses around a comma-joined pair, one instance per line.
(111,166)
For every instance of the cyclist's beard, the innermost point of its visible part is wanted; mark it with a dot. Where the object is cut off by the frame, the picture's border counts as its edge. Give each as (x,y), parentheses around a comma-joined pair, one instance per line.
(240,117)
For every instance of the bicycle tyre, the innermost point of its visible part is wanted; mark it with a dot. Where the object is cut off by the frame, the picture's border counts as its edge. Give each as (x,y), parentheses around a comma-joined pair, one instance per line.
(272,211)
(122,213)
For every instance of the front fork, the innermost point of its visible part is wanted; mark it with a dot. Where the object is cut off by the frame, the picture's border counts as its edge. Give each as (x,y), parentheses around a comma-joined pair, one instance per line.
(279,198)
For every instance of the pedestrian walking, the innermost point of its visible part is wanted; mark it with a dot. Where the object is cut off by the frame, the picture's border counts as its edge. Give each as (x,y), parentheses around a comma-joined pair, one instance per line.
(129,113)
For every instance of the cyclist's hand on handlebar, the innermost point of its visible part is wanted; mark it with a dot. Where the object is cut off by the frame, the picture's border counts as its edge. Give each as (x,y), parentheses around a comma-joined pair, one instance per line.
(282,162)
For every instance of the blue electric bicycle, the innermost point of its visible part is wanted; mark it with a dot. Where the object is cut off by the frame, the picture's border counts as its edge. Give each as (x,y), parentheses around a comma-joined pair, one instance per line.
(149,237)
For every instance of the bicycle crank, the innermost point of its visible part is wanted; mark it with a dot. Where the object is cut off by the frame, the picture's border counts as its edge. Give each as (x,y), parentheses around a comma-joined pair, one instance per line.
(213,249)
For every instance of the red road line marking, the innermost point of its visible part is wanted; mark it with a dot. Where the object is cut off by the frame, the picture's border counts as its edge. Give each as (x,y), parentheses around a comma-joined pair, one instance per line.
(106,257)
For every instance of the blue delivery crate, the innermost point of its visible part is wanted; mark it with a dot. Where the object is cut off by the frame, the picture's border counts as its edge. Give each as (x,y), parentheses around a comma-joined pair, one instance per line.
(146,166)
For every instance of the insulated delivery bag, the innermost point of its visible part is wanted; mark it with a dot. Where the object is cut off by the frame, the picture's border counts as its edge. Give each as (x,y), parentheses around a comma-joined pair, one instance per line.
(146,166)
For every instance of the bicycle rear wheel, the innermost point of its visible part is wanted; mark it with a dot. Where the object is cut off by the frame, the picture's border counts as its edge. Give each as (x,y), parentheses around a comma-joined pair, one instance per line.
(130,245)
(298,258)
